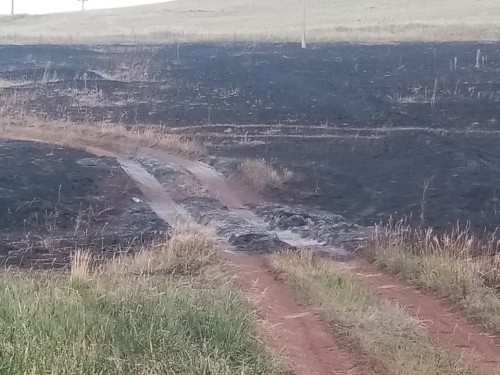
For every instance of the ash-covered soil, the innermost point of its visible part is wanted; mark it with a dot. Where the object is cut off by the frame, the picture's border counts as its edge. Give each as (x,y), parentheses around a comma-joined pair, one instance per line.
(54,200)
(439,180)
(323,113)
(423,85)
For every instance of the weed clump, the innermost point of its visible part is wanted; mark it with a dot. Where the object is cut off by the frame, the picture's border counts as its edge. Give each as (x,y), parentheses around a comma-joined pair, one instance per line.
(189,249)
(262,174)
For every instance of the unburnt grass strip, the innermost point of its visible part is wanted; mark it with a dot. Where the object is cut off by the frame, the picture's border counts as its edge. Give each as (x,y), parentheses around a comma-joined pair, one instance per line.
(387,339)
(110,136)
(456,266)
(259,20)
(152,313)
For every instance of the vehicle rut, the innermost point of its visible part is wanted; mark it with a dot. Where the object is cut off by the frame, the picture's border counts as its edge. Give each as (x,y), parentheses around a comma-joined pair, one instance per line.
(446,327)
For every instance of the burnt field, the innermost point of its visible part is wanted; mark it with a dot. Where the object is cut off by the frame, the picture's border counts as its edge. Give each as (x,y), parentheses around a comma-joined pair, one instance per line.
(371,131)
(55,200)
(422,85)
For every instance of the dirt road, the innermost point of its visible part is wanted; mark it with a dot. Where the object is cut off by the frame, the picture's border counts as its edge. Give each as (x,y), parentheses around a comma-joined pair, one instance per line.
(447,328)
(309,345)
(290,329)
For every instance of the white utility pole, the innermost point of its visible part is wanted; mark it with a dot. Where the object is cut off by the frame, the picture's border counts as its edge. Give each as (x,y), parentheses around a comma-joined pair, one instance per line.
(12,8)
(83,4)
(304,44)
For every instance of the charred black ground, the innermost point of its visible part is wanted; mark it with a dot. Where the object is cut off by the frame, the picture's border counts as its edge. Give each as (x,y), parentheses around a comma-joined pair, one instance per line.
(54,200)
(341,84)
(322,112)
(453,178)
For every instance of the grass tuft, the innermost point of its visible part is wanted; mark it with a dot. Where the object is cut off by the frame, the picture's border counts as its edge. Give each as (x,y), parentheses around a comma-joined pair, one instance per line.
(263,175)
(81,265)
(189,250)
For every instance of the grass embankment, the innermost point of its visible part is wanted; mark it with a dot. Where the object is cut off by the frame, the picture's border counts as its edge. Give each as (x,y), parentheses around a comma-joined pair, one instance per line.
(168,310)
(386,338)
(456,266)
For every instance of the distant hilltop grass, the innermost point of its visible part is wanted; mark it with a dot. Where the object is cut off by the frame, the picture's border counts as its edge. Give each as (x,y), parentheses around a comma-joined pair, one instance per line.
(368,21)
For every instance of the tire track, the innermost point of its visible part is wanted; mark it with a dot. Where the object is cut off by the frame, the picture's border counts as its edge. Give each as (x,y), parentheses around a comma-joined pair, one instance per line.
(219,189)
(446,327)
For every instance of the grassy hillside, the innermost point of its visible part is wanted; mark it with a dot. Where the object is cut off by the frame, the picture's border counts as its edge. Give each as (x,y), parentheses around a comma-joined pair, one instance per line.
(264,20)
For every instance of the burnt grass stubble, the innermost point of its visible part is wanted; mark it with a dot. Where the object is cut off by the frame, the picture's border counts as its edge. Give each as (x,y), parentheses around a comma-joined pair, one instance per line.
(54,200)
(442,171)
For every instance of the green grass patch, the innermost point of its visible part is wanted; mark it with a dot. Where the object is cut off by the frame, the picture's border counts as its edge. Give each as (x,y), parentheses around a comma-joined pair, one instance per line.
(141,323)
(124,326)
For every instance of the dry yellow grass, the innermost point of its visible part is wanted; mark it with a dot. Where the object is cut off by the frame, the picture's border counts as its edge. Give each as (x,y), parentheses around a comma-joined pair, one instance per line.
(5,83)
(189,249)
(456,265)
(81,262)
(114,137)
(262,174)
(386,337)
(372,21)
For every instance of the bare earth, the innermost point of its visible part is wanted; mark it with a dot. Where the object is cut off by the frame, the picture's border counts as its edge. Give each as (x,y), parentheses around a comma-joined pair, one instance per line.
(446,327)
(290,329)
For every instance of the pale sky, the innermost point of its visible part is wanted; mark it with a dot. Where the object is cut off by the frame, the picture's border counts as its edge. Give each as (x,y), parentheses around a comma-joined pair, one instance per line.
(50,6)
